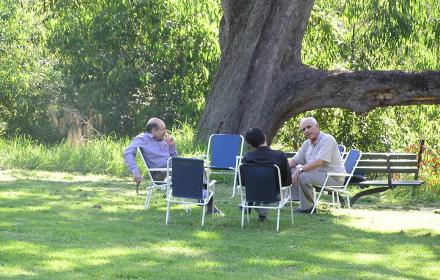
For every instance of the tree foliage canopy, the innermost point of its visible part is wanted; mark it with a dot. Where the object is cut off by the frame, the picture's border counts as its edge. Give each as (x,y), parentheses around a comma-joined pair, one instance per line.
(129,60)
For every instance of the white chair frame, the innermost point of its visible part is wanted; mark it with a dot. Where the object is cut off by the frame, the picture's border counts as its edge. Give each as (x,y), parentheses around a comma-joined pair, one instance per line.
(336,190)
(187,202)
(285,195)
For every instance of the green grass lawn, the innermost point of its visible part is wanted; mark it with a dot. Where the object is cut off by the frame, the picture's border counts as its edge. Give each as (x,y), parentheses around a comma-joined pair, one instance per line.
(66,226)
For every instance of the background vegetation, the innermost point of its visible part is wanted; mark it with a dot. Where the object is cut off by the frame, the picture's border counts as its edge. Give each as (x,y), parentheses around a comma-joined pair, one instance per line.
(73,69)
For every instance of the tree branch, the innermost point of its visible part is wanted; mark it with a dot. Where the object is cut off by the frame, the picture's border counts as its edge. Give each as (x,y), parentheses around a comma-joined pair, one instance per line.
(361,91)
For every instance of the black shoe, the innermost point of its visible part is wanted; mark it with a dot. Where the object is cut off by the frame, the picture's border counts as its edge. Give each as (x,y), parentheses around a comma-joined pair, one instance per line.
(261,218)
(307,211)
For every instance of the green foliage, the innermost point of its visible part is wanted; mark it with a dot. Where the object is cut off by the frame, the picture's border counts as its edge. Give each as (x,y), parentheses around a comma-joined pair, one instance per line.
(123,60)
(373,35)
(131,60)
(28,80)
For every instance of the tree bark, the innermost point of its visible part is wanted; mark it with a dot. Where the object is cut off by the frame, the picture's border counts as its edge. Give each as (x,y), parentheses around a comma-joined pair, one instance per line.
(261,81)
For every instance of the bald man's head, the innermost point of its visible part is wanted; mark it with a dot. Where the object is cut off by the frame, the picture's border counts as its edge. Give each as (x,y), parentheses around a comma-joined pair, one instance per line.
(156,127)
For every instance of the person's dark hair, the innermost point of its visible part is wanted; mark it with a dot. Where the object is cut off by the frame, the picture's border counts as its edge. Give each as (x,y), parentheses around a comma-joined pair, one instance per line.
(255,137)
(151,126)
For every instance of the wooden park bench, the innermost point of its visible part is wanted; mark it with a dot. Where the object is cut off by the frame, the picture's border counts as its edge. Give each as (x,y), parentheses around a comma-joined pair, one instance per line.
(385,171)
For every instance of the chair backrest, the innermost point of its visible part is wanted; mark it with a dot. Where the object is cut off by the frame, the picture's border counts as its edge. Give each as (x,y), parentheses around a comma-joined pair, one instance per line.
(261,182)
(223,150)
(341,149)
(187,177)
(352,160)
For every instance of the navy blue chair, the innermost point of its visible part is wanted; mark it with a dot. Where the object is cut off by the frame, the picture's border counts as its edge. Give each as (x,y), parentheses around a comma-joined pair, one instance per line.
(350,163)
(224,154)
(262,183)
(187,184)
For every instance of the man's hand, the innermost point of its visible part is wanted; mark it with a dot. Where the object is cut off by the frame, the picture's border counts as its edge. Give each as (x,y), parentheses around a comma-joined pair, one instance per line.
(169,139)
(137,179)
(295,177)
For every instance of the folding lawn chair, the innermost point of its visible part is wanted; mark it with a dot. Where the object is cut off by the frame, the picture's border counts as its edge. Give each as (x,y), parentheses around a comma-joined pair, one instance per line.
(350,163)
(262,183)
(186,185)
(154,184)
(224,154)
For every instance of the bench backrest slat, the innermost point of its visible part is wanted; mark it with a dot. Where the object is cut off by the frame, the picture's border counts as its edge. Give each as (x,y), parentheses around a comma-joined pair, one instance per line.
(383,162)
(383,169)
(392,156)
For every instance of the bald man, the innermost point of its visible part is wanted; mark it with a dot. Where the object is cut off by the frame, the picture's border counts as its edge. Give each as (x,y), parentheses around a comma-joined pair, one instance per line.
(318,155)
(156,146)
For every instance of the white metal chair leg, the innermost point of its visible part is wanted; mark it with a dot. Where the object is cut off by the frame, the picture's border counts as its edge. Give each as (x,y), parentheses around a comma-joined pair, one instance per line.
(148,198)
(316,201)
(338,200)
(278,220)
(348,203)
(291,211)
(203,215)
(242,217)
(234,185)
(167,216)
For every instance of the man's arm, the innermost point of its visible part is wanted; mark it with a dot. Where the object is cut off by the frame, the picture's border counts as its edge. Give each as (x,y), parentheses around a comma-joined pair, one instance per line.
(171,145)
(314,164)
(292,163)
(130,160)
(285,171)
(306,168)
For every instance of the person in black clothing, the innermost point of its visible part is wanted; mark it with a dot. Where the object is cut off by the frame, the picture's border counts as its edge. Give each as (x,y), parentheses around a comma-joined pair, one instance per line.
(262,154)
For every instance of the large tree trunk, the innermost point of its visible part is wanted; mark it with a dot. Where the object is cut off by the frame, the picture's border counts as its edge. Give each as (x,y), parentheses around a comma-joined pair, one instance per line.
(261,81)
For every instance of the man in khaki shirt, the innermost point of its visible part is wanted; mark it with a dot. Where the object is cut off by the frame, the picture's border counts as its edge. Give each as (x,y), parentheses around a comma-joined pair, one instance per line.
(318,155)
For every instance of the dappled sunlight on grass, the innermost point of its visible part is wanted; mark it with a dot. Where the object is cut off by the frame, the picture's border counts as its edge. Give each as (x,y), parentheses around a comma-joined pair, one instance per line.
(93,230)
(368,258)
(392,221)
(11,271)
(206,235)
(270,262)
(174,248)
(17,174)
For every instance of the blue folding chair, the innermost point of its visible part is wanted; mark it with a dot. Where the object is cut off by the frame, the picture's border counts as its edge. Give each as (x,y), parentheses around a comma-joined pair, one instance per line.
(186,184)
(262,183)
(350,163)
(224,154)
(341,149)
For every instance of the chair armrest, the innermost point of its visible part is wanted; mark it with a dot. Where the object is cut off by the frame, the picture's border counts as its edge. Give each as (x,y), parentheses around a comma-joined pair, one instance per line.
(330,174)
(212,183)
(158,169)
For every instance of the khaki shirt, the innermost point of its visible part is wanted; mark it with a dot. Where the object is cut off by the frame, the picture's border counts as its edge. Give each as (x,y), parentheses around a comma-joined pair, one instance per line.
(326,149)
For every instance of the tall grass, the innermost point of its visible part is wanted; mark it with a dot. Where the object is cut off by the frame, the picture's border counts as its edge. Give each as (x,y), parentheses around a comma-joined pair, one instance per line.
(96,156)
(104,156)
(99,155)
